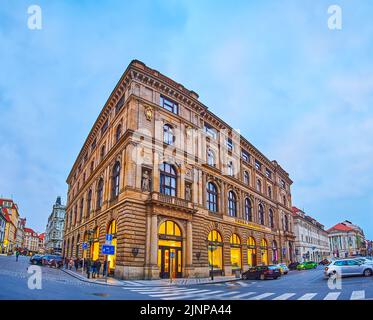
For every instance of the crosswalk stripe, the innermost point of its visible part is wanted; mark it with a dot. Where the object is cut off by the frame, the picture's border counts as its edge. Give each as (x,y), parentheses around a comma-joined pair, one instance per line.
(186,296)
(284,296)
(166,291)
(358,295)
(332,296)
(262,296)
(243,284)
(307,296)
(150,288)
(178,292)
(240,296)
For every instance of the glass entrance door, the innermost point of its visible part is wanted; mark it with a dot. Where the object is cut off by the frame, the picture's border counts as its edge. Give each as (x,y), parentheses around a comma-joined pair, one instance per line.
(170,262)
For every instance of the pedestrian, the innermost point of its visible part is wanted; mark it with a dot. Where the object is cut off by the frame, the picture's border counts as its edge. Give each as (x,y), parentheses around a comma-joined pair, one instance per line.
(17,255)
(98,267)
(66,263)
(71,263)
(88,268)
(94,269)
(76,263)
(104,268)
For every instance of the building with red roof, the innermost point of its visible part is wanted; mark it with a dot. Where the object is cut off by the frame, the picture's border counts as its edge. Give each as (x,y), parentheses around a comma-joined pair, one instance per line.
(346,239)
(10,212)
(31,240)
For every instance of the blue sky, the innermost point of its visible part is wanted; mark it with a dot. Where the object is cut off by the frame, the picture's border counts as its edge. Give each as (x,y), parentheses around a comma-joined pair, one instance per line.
(300,92)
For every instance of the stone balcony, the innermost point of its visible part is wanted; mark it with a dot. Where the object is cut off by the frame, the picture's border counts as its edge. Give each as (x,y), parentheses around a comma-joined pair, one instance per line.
(156,198)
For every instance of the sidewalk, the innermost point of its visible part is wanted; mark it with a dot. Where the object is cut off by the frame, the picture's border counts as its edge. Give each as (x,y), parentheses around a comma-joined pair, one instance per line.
(150,283)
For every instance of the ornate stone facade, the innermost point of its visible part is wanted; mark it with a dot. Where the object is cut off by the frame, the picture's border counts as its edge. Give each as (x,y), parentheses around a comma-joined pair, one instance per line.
(143,175)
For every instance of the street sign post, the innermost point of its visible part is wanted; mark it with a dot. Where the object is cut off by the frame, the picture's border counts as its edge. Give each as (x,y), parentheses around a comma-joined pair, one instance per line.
(84,247)
(107,250)
(108,238)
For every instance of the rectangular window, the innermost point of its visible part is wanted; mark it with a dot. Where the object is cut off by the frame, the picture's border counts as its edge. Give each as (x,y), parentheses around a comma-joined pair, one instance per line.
(269,173)
(245,156)
(104,127)
(93,145)
(258,165)
(211,131)
(230,144)
(283,184)
(119,105)
(169,105)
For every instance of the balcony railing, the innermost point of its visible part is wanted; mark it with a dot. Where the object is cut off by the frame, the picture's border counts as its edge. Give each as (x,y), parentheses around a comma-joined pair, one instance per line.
(160,198)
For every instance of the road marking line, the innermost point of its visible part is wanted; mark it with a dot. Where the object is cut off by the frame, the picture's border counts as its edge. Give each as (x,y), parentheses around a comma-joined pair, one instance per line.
(332,296)
(261,296)
(191,295)
(166,294)
(239,296)
(220,296)
(284,296)
(166,291)
(243,284)
(153,289)
(358,295)
(307,296)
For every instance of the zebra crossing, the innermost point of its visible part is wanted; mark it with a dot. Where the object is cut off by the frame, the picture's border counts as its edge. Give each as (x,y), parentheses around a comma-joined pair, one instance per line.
(187,293)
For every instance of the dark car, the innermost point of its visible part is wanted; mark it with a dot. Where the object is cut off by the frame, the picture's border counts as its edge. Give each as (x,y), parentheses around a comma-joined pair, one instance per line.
(36,259)
(52,261)
(325,262)
(262,272)
(293,266)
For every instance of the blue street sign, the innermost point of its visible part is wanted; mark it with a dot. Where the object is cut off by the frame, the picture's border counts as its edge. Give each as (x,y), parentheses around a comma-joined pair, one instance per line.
(84,245)
(109,238)
(108,249)
(172,254)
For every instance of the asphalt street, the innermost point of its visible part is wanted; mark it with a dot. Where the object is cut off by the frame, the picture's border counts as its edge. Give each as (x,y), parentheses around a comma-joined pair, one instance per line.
(58,285)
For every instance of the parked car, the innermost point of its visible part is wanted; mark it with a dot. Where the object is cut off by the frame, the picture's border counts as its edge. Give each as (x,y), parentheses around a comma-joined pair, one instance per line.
(262,272)
(36,259)
(283,268)
(293,265)
(52,261)
(348,267)
(307,265)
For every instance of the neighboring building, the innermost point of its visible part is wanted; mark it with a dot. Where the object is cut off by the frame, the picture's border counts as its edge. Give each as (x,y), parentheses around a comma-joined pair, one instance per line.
(41,245)
(169,179)
(55,226)
(10,211)
(2,230)
(20,237)
(31,241)
(311,239)
(346,239)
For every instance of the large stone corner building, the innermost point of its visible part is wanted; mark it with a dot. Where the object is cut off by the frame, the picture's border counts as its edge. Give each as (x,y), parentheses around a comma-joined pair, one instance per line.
(180,191)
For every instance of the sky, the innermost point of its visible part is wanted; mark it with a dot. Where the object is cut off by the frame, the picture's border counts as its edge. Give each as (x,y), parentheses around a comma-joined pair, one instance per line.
(299,91)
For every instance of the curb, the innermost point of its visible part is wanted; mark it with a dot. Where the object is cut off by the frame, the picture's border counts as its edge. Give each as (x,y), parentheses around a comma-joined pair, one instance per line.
(81,278)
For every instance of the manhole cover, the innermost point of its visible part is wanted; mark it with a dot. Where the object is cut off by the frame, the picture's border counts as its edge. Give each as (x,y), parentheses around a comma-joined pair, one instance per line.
(101,294)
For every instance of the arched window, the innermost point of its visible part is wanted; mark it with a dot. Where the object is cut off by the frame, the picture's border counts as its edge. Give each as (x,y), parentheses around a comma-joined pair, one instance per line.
(212,197)
(89,202)
(230,168)
(259,185)
(95,247)
(271,220)
(264,251)
(269,192)
(115,180)
(168,179)
(168,134)
(118,132)
(261,214)
(215,250)
(246,178)
(169,228)
(211,161)
(232,204)
(236,261)
(112,229)
(248,210)
(100,189)
(251,252)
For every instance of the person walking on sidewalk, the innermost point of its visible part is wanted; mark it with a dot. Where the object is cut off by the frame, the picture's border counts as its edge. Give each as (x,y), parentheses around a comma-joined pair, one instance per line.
(71,264)
(76,263)
(104,268)
(98,267)
(88,268)
(17,255)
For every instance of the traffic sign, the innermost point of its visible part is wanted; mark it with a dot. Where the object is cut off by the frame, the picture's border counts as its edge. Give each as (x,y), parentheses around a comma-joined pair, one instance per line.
(108,249)
(109,238)
(84,245)
(172,254)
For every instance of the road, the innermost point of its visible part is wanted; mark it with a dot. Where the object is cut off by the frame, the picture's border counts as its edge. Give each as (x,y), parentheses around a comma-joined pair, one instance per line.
(297,285)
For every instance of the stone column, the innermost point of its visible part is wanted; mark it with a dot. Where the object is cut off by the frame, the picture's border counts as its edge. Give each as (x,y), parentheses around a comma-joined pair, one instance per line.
(189,250)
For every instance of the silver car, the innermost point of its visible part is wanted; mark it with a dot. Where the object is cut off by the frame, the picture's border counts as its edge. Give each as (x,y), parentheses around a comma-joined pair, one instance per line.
(348,267)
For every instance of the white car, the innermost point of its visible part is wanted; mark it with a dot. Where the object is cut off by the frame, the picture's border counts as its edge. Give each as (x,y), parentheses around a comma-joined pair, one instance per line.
(348,267)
